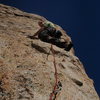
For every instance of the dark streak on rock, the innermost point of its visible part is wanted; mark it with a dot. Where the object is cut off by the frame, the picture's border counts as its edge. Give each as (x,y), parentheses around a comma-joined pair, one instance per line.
(79,83)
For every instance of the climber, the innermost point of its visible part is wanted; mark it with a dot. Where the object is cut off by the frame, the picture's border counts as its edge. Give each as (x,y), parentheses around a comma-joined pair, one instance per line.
(49,34)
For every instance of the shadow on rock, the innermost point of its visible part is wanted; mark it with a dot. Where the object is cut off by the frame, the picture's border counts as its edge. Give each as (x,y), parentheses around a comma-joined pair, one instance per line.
(38,48)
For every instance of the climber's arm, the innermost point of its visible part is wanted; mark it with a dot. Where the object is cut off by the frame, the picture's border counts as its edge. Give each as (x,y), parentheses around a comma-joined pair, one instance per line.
(36,34)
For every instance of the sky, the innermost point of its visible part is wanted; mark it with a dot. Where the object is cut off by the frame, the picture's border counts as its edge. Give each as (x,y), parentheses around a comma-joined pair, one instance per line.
(80,18)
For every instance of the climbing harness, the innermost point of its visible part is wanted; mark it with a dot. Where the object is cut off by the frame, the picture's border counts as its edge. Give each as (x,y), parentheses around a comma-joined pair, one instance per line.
(58,86)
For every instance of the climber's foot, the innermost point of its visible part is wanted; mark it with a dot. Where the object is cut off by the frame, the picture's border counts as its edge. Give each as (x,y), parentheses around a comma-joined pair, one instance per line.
(69,46)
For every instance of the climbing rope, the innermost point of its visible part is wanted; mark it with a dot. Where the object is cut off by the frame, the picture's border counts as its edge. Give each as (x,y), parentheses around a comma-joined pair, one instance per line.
(58,85)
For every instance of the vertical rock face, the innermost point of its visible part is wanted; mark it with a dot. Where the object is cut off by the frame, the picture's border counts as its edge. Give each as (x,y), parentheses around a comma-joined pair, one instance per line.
(26,73)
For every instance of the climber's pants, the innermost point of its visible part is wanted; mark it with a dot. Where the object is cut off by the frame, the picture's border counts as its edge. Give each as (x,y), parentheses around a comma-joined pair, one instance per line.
(43,36)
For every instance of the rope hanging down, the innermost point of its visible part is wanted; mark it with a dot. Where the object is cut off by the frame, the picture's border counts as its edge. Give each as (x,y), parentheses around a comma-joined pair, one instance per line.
(58,85)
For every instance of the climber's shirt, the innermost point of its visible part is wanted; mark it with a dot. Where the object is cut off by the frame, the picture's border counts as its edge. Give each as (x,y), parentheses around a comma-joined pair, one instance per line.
(48,24)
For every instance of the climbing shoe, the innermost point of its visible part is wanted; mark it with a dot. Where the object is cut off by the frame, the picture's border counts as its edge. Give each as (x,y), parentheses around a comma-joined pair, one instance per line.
(69,46)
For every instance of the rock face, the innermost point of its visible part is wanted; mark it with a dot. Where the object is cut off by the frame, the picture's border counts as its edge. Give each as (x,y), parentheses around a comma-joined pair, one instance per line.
(26,73)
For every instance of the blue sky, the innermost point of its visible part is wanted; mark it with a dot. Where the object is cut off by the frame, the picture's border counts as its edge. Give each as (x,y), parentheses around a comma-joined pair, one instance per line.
(80,18)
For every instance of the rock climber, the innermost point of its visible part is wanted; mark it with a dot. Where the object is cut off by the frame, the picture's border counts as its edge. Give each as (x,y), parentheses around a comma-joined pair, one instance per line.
(49,34)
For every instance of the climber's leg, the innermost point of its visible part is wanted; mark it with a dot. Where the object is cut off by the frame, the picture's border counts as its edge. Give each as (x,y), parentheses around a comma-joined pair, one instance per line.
(60,44)
(57,42)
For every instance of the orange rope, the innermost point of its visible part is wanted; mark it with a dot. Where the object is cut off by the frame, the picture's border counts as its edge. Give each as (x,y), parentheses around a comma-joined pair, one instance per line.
(56,78)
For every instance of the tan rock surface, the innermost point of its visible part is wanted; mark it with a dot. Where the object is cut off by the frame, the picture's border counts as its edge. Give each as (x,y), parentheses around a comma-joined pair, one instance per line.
(25,71)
